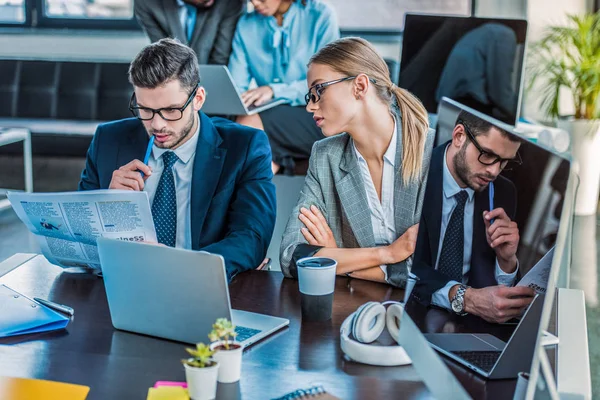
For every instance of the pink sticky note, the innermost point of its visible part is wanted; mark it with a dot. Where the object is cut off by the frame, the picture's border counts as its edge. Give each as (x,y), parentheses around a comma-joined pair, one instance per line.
(170,383)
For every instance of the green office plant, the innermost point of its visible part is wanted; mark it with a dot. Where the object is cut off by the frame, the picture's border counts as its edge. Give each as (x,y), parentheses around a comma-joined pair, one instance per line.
(201,372)
(227,351)
(567,61)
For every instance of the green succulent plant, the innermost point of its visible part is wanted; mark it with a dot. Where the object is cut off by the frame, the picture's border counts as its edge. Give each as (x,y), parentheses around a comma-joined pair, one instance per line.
(223,329)
(201,356)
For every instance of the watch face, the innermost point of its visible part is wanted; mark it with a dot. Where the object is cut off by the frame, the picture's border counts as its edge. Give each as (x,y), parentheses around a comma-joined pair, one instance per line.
(456,306)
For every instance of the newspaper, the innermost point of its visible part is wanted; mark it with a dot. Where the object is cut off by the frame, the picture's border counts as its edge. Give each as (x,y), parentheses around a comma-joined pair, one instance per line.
(537,277)
(67,224)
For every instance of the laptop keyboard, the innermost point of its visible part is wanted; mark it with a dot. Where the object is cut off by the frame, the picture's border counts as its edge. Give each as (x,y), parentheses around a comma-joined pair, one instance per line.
(244,333)
(484,360)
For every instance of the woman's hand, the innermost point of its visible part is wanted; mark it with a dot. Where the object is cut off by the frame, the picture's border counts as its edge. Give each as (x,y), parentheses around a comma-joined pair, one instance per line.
(316,231)
(403,247)
(257,96)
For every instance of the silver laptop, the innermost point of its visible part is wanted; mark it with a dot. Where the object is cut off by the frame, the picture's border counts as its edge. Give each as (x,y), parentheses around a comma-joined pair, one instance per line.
(222,95)
(173,294)
(490,356)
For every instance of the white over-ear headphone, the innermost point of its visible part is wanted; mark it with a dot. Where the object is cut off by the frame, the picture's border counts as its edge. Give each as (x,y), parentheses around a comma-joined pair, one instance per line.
(365,325)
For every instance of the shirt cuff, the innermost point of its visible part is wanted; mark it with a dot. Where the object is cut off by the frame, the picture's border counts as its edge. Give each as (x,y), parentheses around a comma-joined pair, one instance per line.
(440,297)
(503,278)
(384,269)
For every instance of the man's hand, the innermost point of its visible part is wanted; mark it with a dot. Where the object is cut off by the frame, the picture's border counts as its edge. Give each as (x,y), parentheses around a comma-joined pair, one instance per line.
(401,248)
(503,237)
(498,303)
(128,177)
(317,231)
(257,96)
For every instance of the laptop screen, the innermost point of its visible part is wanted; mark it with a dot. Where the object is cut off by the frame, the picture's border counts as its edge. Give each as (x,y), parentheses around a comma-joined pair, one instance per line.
(477,61)
(528,183)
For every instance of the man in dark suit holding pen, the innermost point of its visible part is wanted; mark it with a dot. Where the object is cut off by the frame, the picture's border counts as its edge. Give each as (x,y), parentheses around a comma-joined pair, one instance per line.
(208,180)
(207,26)
(465,255)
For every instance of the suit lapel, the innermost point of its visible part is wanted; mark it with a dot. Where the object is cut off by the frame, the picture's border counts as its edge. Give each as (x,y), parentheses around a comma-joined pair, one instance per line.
(353,197)
(197,33)
(208,164)
(432,205)
(171,13)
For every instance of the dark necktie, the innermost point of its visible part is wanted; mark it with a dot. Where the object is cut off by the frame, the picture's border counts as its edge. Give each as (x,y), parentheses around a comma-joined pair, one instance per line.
(164,206)
(451,258)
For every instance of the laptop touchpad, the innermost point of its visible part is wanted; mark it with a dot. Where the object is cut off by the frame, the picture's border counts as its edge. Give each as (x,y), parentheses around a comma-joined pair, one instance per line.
(465,341)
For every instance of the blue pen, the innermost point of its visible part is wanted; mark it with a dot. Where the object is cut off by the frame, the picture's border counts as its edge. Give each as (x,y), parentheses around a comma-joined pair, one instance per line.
(491,193)
(148,151)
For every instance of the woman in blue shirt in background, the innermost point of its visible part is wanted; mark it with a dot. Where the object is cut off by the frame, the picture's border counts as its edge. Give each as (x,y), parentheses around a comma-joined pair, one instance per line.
(273,45)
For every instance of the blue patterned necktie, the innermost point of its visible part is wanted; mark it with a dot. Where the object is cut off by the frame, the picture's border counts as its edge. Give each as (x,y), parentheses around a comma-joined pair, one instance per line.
(451,258)
(190,21)
(164,206)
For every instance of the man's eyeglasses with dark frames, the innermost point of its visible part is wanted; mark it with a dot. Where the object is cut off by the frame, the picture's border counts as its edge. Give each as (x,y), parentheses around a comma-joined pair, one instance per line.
(168,113)
(319,87)
(489,158)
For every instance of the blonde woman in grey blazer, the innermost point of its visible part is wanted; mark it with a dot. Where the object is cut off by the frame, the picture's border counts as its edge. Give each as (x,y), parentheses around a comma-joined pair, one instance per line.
(362,197)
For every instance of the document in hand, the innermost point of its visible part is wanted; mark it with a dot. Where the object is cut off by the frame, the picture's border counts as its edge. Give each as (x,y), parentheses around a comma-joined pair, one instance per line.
(20,315)
(538,275)
(67,224)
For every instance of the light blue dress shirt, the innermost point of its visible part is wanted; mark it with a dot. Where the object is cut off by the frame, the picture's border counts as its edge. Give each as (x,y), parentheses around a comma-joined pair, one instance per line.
(182,172)
(451,188)
(277,56)
(382,212)
(186,19)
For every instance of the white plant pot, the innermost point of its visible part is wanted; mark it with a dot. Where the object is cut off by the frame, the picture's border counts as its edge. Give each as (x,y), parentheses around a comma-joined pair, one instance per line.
(202,382)
(585,150)
(230,362)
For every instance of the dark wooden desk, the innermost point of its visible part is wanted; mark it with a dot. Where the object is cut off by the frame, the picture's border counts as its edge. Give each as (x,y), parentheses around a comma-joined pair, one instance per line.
(121,365)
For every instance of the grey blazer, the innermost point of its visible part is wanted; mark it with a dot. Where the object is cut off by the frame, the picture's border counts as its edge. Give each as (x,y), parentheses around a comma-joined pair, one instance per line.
(335,185)
(213,32)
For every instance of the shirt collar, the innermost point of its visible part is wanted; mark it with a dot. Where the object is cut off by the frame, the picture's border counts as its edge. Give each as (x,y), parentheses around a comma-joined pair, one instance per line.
(180,3)
(451,188)
(185,151)
(390,153)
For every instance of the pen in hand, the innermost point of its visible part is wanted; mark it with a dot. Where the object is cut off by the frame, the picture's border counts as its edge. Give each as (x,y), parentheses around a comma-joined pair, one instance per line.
(148,152)
(491,193)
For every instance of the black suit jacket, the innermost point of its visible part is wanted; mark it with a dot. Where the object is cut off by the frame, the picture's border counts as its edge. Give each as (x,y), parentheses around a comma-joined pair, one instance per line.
(483,257)
(213,31)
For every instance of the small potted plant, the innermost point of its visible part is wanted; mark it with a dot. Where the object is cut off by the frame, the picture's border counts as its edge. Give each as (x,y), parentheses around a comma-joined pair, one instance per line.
(201,373)
(227,352)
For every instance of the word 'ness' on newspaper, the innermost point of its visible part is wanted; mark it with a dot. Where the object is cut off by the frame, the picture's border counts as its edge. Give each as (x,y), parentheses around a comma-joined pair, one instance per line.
(67,224)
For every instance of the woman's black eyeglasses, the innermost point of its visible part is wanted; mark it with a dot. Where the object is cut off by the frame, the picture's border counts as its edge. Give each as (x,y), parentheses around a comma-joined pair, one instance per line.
(489,158)
(319,87)
(168,114)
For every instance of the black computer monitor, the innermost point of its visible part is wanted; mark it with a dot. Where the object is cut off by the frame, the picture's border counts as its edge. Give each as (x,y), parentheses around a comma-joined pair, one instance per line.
(475,61)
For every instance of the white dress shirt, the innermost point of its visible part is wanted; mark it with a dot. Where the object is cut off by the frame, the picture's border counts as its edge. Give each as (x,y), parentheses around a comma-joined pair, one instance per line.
(382,212)
(450,189)
(182,172)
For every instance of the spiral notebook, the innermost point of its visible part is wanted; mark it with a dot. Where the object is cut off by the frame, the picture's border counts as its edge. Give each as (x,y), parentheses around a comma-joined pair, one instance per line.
(315,392)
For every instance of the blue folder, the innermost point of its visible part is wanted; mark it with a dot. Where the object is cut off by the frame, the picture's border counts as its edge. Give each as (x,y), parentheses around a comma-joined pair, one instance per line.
(20,315)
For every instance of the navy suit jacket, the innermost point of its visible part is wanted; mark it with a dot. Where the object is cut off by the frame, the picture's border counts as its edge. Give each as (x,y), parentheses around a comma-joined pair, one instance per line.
(483,257)
(233,199)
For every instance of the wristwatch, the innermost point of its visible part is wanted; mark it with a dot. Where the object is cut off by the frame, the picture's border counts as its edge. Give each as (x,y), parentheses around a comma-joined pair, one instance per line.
(458,301)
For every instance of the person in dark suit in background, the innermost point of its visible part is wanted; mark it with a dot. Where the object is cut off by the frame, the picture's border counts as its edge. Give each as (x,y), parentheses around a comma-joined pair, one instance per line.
(465,255)
(208,180)
(207,26)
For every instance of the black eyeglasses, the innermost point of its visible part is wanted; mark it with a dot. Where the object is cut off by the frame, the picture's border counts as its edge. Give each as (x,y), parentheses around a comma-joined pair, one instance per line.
(319,87)
(489,158)
(168,113)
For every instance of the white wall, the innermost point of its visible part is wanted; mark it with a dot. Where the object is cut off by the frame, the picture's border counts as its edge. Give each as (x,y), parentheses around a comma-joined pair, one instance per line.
(73,45)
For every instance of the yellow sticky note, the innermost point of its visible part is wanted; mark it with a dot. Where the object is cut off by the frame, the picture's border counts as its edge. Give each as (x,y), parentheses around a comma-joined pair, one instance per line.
(168,393)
